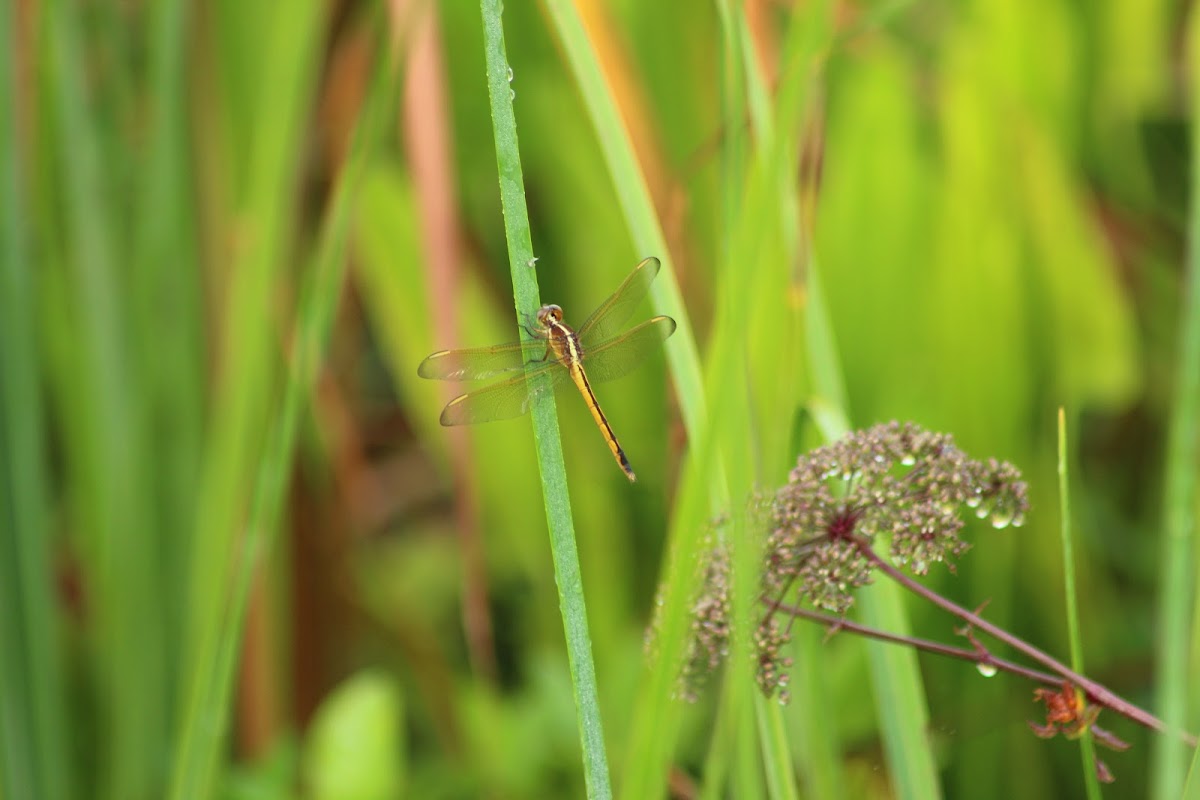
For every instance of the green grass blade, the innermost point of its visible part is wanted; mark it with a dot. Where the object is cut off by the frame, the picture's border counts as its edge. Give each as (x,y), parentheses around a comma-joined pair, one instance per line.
(730,399)
(107,460)
(815,732)
(1087,747)
(655,726)
(637,206)
(1172,674)
(34,753)
(545,418)
(768,233)
(899,696)
(775,753)
(1191,789)
(287,57)
(167,310)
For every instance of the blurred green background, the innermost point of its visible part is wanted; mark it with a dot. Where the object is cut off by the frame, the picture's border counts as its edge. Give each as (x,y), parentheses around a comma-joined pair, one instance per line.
(232,230)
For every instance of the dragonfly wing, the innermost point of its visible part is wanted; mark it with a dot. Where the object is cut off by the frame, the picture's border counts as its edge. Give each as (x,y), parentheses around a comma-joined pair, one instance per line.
(504,400)
(607,320)
(620,356)
(480,363)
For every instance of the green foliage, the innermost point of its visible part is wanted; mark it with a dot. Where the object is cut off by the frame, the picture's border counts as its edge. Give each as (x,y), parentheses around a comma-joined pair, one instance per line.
(354,742)
(224,490)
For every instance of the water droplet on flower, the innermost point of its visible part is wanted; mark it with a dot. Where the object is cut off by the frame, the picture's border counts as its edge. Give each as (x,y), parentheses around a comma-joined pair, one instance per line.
(974,500)
(986,670)
(1001,517)
(982,511)
(908,459)
(1018,519)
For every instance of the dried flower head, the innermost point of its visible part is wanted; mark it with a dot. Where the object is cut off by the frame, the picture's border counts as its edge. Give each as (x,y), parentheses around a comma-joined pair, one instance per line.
(770,641)
(1067,713)
(894,482)
(709,641)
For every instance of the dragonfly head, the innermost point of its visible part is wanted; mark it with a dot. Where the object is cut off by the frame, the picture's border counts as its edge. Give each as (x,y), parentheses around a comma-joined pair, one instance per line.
(549,314)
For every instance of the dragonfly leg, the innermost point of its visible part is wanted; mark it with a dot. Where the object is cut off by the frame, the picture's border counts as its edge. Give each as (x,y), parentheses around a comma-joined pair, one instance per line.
(529,325)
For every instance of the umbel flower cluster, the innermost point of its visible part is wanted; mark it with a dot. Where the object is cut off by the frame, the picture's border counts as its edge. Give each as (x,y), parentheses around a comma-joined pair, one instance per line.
(894,485)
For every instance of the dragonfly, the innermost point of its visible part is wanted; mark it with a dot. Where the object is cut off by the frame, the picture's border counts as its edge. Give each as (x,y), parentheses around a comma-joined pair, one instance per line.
(595,352)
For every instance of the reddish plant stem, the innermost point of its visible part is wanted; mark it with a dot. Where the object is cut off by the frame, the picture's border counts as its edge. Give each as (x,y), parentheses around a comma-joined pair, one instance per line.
(981,656)
(1097,693)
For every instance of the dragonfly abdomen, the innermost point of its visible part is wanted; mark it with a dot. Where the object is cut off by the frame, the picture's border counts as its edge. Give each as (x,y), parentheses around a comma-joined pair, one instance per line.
(567,348)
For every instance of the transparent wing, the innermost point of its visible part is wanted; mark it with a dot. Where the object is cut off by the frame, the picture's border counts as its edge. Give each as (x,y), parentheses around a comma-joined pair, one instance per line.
(481,362)
(506,399)
(620,356)
(607,320)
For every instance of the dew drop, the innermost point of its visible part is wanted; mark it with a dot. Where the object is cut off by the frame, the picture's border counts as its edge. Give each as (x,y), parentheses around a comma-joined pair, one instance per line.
(512,95)
(986,670)
(510,74)
(1002,517)
(530,263)
(982,511)
(974,500)
(908,459)
(1018,519)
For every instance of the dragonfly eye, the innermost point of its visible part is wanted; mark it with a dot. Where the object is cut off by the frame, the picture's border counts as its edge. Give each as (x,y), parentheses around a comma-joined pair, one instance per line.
(549,313)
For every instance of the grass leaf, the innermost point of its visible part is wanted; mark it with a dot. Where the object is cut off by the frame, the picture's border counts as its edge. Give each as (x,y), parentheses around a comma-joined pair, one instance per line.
(34,751)
(1179,542)
(1087,747)
(545,416)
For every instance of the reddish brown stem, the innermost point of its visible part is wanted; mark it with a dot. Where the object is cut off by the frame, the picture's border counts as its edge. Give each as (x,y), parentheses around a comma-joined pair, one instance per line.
(1097,693)
(981,656)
